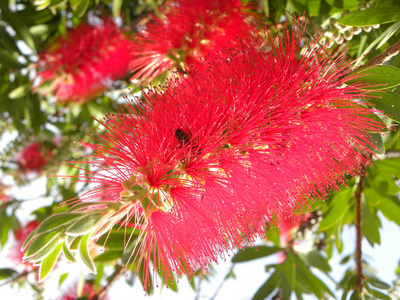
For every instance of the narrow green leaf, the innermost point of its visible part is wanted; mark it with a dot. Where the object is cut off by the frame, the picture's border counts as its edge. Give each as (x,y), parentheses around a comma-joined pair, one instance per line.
(269,286)
(370,226)
(390,208)
(377,283)
(371,16)
(377,77)
(371,196)
(116,7)
(4,228)
(379,295)
(75,3)
(254,253)
(7,273)
(315,259)
(288,276)
(340,204)
(84,253)
(388,102)
(68,254)
(49,262)
(40,242)
(62,278)
(108,256)
(55,221)
(82,7)
(84,225)
(28,240)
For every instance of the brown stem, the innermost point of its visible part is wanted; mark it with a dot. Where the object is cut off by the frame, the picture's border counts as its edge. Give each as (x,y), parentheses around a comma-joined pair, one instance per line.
(119,270)
(385,56)
(358,195)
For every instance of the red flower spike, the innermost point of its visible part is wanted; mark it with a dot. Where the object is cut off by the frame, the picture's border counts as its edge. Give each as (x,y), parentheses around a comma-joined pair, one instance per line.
(34,157)
(80,66)
(214,156)
(185,33)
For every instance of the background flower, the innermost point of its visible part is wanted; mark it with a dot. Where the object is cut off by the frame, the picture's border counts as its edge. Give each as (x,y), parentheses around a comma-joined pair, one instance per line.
(34,157)
(81,65)
(184,32)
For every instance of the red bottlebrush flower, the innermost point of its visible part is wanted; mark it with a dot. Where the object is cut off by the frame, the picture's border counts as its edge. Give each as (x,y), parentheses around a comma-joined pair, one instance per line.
(34,157)
(88,292)
(211,158)
(185,33)
(83,64)
(21,234)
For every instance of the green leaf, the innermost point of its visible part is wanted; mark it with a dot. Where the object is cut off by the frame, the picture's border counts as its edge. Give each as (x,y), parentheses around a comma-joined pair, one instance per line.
(315,259)
(371,16)
(49,262)
(389,103)
(7,273)
(377,283)
(56,221)
(254,253)
(40,242)
(62,278)
(390,208)
(75,3)
(84,225)
(82,7)
(116,7)
(371,196)
(288,276)
(5,222)
(379,295)
(269,286)
(340,204)
(377,143)
(377,77)
(370,226)
(68,254)
(107,256)
(84,253)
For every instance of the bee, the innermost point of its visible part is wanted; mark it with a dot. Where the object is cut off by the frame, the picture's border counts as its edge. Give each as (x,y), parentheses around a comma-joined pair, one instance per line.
(182,137)
(185,139)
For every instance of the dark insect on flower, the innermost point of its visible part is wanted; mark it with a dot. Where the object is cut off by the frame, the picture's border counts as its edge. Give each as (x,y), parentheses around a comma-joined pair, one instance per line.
(182,137)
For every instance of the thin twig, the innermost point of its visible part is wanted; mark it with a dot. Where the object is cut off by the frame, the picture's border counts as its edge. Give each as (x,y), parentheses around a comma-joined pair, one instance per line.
(223,282)
(119,270)
(385,56)
(358,195)
(23,275)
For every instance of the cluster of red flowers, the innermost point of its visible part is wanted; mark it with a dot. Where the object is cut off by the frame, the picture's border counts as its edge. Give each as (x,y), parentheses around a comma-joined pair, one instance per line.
(34,157)
(214,156)
(83,64)
(185,32)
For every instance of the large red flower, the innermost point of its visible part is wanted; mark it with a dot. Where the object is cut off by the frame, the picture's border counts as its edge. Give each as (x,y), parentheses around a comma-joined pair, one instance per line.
(211,158)
(81,65)
(185,32)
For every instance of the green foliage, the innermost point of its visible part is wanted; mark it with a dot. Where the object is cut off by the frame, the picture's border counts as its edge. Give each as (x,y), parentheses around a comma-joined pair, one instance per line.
(27,27)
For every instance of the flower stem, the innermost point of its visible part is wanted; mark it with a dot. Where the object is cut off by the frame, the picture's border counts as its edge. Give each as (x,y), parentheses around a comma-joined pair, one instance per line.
(358,194)
(119,270)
